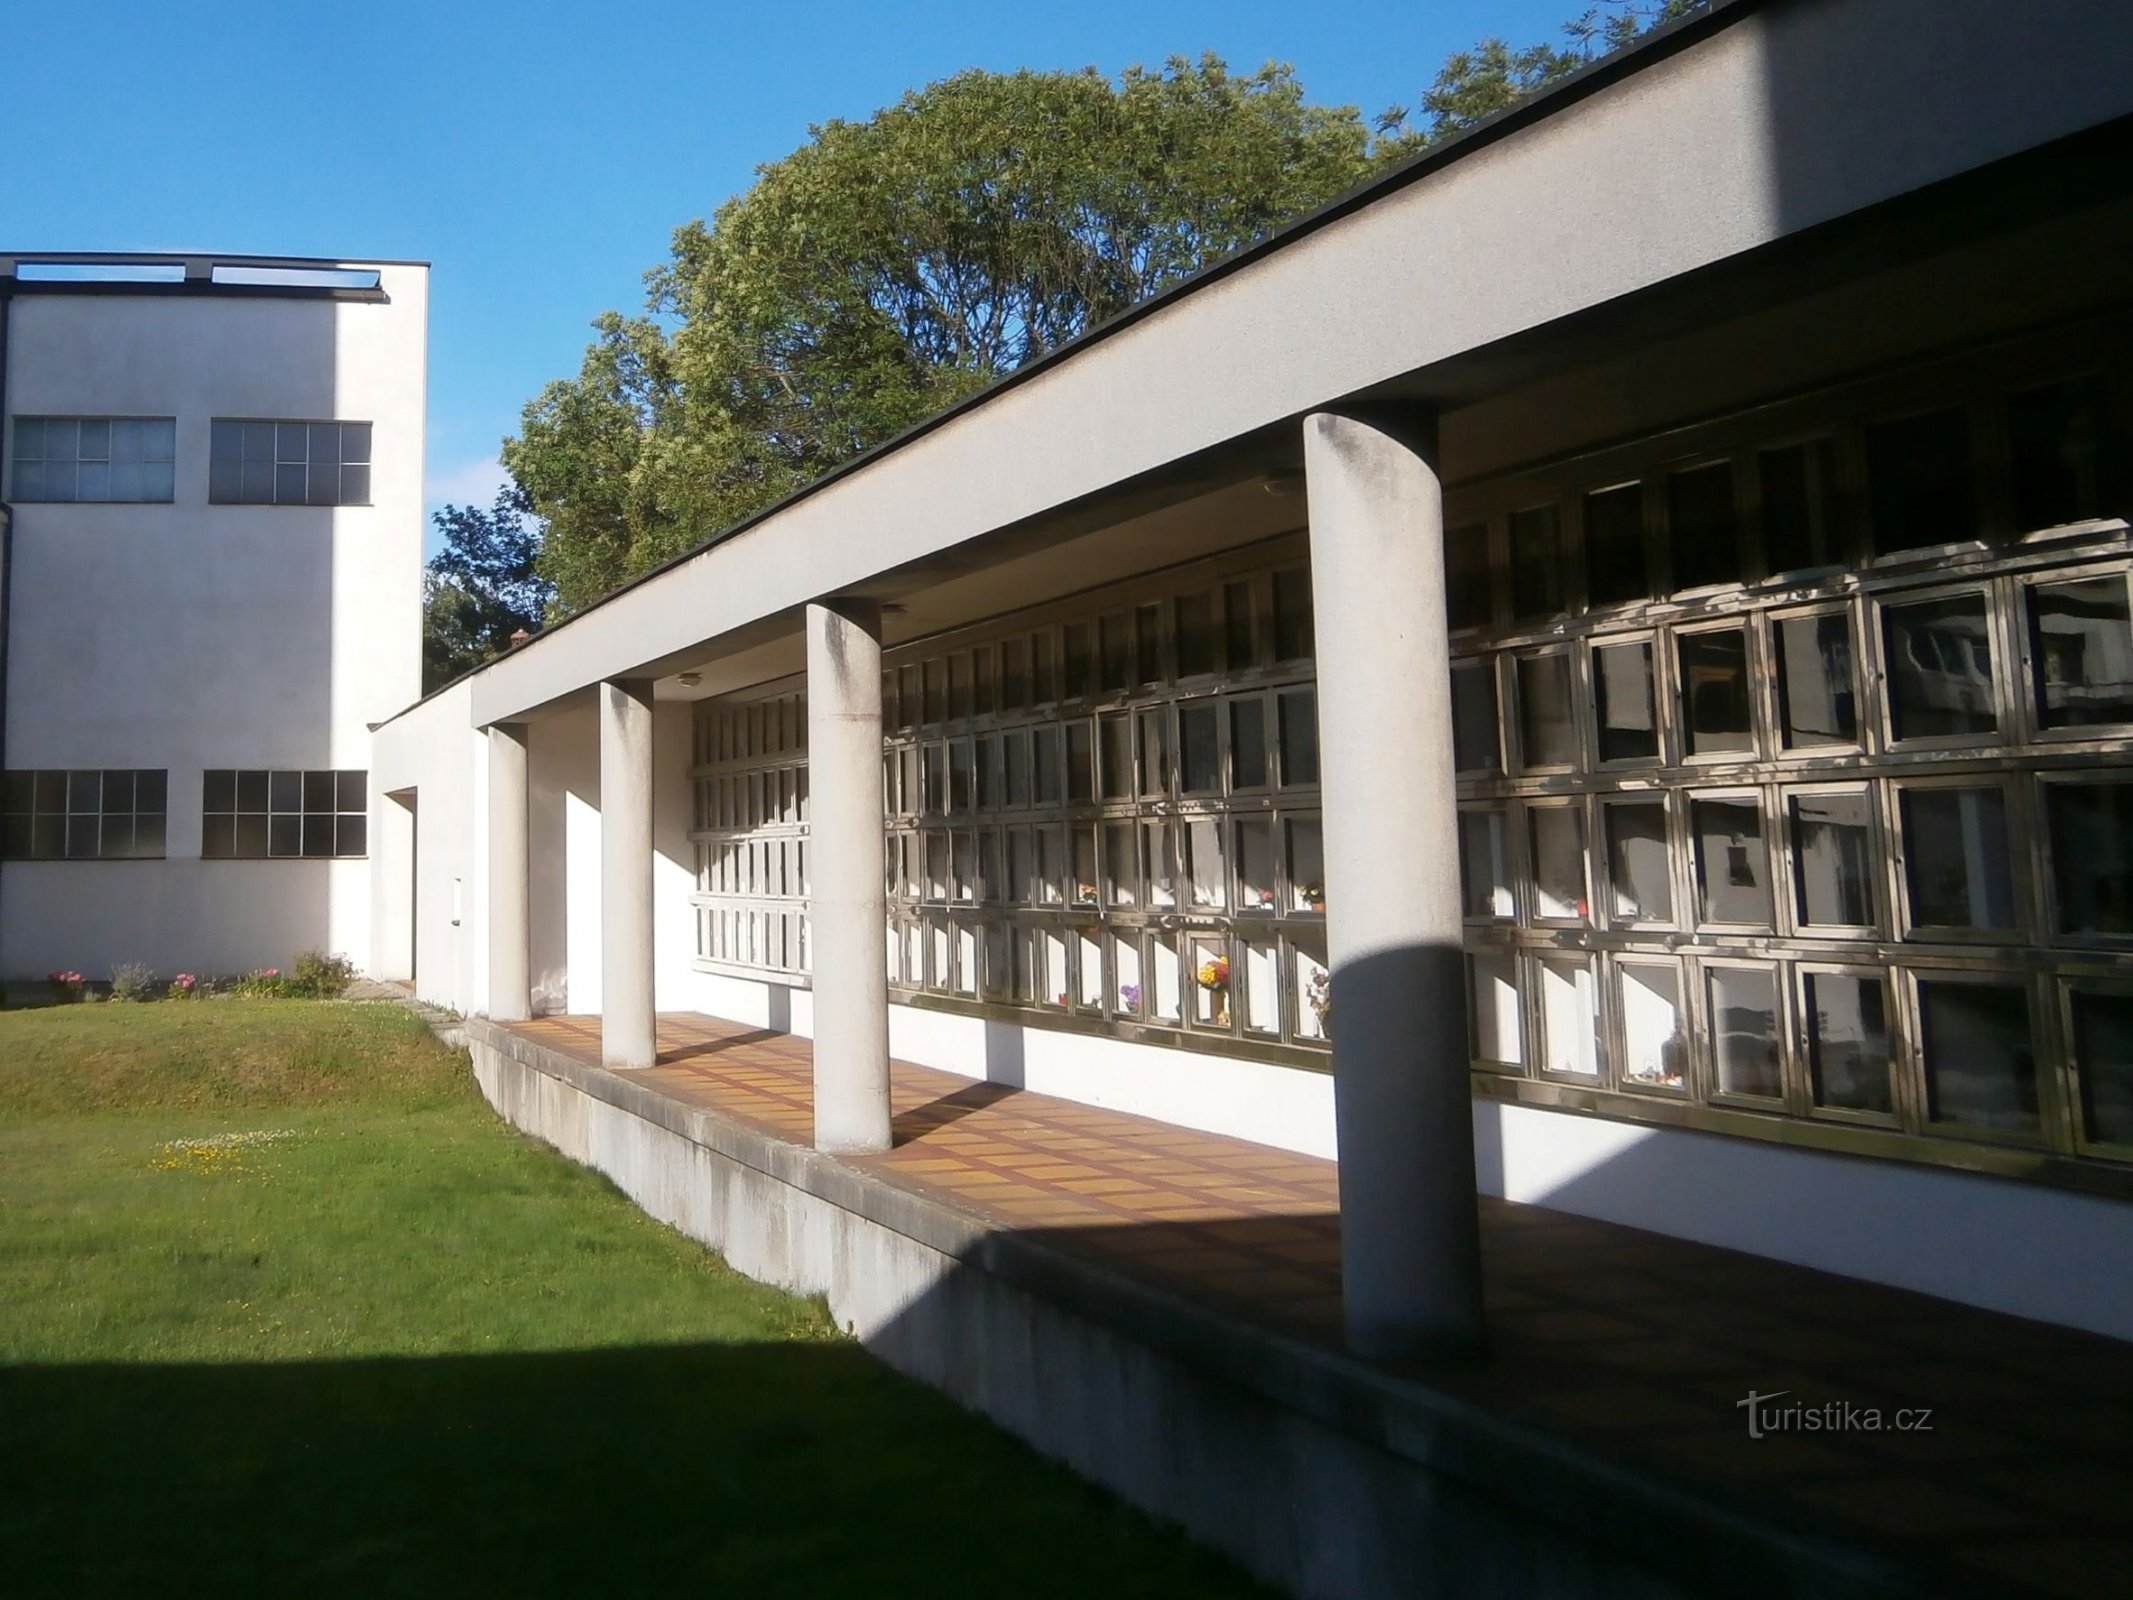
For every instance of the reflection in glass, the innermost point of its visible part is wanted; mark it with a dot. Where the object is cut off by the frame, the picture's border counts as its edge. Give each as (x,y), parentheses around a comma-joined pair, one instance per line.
(1537,562)
(2091,829)
(1940,668)
(1155,752)
(1080,761)
(1622,696)
(1700,526)
(1466,577)
(1262,986)
(1558,840)
(1980,1068)
(1122,878)
(1074,655)
(1051,867)
(1835,858)
(1548,736)
(1239,632)
(2103,1054)
(1848,1041)
(2059,441)
(1614,545)
(1639,877)
(1203,862)
(1247,744)
(1484,865)
(1148,644)
(1732,866)
(1568,1016)
(1199,748)
(1474,725)
(1655,1050)
(1117,755)
(1255,863)
(1047,776)
(1299,737)
(1114,651)
(1744,1031)
(1918,478)
(1307,864)
(1197,643)
(1492,1007)
(2082,634)
(1955,849)
(1816,700)
(1292,614)
(1159,857)
(1717,713)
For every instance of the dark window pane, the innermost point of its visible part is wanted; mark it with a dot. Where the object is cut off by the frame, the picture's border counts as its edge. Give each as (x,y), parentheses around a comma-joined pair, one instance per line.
(1114,646)
(285,791)
(1117,755)
(935,675)
(292,443)
(1622,695)
(251,835)
(1955,848)
(259,443)
(1046,773)
(285,835)
(1848,1042)
(318,791)
(1836,861)
(225,441)
(2082,636)
(1474,727)
(1547,732)
(15,836)
(348,790)
(1155,751)
(1292,614)
(959,686)
(981,681)
(148,834)
(349,837)
(1196,634)
(1467,602)
(83,834)
(1299,737)
(150,788)
(324,444)
(1638,866)
(1484,864)
(1817,700)
(289,485)
(1701,528)
(1199,748)
(1717,713)
(355,441)
(1536,562)
(62,440)
(1238,626)
(962,772)
(95,437)
(1074,653)
(251,790)
(48,836)
(19,790)
(51,791)
(1247,744)
(2058,437)
(1557,836)
(2091,827)
(1918,477)
(118,792)
(1080,761)
(1732,866)
(1744,1031)
(117,838)
(218,837)
(1614,546)
(1014,674)
(2103,1053)
(1016,750)
(1147,644)
(85,791)
(318,834)
(1043,675)
(1940,668)
(1980,1067)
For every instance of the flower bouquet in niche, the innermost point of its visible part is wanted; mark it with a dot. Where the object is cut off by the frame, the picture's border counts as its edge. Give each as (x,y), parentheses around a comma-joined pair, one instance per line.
(1213,976)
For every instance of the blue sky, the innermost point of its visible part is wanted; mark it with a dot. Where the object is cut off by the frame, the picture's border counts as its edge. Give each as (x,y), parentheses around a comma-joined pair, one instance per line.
(540,154)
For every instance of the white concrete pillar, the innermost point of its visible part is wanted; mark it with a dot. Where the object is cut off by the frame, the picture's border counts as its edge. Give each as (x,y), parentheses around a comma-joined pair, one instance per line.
(626,1018)
(1410,1246)
(847,904)
(510,958)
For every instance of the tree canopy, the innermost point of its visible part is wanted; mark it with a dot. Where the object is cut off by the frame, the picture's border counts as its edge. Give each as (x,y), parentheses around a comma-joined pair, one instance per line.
(481,587)
(889,268)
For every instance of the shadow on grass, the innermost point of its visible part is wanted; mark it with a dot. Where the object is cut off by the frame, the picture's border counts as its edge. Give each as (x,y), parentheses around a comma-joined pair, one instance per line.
(768,1469)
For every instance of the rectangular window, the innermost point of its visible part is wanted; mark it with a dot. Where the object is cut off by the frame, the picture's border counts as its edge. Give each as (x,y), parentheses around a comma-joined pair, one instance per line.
(122,460)
(1981,1069)
(1298,717)
(1247,744)
(1848,1056)
(1955,852)
(1940,668)
(1307,864)
(1537,562)
(1117,755)
(1114,652)
(1199,748)
(1467,601)
(1818,698)
(2059,438)
(1918,481)
(1547,732)
(1718,715)
(1484,864)
(1197,642)
(1655,1046)
(2091,830)
(1474,724)
(1701,530)
(1800,507)
(2082,637)
(1640,880)
(1622,701)
(1615,568)
(1292,614)
(254,463)
(1732,864)
(1833,849)
(254,814)
(98,814)
(1556,834)
(2103,1055)
(1569,1016)
(1745,1052)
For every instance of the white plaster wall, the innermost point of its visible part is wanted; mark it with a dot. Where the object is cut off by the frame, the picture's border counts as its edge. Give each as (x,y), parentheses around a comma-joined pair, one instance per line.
(189,636)
(423,875)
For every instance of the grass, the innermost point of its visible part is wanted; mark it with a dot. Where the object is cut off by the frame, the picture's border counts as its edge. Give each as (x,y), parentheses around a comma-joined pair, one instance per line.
(283,1306)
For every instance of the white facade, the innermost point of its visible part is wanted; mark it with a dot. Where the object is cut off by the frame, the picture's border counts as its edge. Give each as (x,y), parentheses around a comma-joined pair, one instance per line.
(188,636)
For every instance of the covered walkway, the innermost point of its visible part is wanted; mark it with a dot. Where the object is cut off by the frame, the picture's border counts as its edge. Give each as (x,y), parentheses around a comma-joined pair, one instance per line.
(1633,1349)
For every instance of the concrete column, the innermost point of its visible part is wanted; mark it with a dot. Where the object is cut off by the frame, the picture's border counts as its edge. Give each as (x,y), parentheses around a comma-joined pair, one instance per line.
(626,1017)
(510,959)
(1410,1246)
(847,905)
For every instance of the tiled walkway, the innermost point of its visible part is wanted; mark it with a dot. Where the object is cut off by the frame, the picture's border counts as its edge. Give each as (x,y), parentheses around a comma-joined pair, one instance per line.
(1637,1345)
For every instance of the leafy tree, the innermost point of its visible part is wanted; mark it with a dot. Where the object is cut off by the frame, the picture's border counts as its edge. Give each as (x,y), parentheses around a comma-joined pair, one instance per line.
(481,588)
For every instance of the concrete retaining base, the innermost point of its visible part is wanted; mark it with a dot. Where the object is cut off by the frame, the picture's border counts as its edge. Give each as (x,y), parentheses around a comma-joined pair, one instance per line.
(1321,1475)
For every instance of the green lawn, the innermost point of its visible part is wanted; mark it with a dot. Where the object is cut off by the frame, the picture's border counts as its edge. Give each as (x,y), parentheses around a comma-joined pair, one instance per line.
(284,1308)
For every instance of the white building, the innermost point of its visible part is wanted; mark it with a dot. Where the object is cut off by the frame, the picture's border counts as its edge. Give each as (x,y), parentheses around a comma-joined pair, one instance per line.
(213,474)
